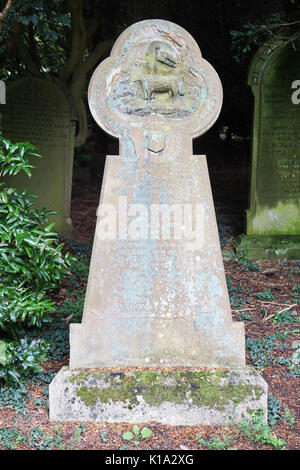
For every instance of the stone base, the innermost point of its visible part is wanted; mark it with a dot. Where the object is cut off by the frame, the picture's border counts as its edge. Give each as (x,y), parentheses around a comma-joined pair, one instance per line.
(177,397)
(156,342)
(268,247)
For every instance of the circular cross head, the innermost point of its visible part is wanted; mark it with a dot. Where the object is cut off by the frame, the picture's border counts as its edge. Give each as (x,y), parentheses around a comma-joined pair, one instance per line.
(156,78)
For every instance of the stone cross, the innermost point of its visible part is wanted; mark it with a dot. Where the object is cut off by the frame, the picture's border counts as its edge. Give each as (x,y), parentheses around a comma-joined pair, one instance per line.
(156,292)
(157,341)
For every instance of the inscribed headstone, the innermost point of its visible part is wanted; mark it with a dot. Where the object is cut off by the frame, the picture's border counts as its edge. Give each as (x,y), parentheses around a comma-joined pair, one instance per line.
(273,218)
(156,298)
(37,111)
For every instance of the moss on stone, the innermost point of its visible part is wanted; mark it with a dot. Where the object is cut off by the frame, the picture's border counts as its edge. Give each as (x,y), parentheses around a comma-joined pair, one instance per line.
(89,395)
(200,388)
(258,391)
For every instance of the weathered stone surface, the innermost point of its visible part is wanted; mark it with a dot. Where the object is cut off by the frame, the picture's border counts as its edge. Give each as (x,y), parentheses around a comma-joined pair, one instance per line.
(156,298)
(158,302)
(273,218)
(185,397)
(157,293)
(37,111)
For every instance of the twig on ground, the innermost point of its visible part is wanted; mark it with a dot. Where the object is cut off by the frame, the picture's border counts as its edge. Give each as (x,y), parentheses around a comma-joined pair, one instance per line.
(270,271)
(243,309)
(278,313)
(273,303)
(68,318)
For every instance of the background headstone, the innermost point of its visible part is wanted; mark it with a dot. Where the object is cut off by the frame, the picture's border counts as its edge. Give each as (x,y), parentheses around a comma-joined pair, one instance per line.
(37,111)
(273,218)
(156,294)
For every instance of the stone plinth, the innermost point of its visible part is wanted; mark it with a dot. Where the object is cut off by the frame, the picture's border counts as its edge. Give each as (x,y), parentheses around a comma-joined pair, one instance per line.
(176,397)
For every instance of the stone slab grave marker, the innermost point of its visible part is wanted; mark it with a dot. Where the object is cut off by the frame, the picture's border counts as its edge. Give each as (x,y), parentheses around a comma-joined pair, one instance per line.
(37,111)
(156,297)
(273,218)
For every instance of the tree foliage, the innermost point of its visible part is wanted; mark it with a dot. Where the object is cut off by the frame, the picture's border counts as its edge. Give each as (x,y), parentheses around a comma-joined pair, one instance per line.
(68,38)
(279,26)
(58,37)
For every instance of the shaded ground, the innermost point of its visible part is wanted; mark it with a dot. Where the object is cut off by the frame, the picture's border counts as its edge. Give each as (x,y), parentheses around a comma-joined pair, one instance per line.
(264,295)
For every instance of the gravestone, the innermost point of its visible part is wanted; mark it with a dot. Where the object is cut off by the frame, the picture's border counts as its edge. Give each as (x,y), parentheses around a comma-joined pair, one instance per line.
(273,218)
(37,111)
(157,341)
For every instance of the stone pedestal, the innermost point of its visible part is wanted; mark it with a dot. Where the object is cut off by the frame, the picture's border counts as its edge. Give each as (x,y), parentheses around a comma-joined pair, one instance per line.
(157,294)
(177,397)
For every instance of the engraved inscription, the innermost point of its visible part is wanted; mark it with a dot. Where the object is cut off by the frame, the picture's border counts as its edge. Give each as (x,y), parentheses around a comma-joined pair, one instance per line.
(279,143)
(38,123)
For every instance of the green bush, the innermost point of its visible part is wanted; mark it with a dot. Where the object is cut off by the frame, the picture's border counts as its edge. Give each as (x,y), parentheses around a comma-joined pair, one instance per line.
(31,265)
(22,358)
